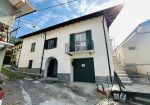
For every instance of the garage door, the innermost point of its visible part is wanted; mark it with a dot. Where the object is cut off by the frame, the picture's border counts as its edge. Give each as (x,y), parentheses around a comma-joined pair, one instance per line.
(84,70)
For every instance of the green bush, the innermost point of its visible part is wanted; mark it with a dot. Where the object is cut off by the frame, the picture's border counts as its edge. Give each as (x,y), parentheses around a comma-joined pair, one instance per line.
(12,75)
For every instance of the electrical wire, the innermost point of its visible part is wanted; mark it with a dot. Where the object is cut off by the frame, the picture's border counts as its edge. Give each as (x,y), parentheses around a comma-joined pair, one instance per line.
(55,5)
(46,9)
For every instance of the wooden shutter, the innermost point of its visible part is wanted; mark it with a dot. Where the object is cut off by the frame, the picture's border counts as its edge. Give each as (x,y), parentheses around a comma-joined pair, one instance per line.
(55,42)
(72,43)
(89,40)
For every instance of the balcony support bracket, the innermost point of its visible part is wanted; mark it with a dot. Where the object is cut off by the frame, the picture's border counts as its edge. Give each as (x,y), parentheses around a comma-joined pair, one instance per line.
(70,54)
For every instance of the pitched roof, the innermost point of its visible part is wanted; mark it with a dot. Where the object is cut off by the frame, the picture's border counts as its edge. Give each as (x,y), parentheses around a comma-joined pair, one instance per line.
(133,33)
(110,14)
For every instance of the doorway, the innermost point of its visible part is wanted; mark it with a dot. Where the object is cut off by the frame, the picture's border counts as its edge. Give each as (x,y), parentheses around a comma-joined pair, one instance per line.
(52,68)
(84,70)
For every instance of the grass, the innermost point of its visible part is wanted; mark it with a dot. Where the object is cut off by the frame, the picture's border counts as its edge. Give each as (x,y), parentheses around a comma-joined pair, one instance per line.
(12,75)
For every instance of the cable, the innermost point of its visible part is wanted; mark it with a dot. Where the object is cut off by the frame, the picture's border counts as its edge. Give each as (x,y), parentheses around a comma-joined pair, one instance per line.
(55,5)
(24,22)
(45,9)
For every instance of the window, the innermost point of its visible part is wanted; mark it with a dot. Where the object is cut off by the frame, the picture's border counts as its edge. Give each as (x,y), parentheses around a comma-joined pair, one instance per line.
(33,47)
(51,43)
(131,48)
(30,64)
(80,42)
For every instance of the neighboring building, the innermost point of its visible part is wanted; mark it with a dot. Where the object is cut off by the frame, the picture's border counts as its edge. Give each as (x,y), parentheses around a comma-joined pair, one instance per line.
(76,50)
(9,10)
(135,49)
(16,51)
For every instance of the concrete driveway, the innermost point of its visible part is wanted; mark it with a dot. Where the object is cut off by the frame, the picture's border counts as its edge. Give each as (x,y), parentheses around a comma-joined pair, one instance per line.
(30,92)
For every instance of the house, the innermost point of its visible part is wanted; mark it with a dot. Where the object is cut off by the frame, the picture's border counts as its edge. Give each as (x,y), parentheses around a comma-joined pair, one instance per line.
(134,50)
(13,54)
(75,50)
(9,11)
(16,51)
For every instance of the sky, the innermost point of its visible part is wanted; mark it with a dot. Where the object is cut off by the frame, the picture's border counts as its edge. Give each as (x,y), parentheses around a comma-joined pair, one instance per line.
(50,17)
(133,13)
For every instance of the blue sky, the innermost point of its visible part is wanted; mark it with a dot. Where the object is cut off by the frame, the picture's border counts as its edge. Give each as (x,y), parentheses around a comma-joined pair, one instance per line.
(133,13)
(59,14)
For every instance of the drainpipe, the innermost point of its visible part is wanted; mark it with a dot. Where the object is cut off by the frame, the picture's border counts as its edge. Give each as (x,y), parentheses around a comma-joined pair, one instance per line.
(108,59)
(42,54)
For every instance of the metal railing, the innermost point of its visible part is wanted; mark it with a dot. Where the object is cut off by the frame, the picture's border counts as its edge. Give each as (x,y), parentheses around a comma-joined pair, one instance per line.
(79,46)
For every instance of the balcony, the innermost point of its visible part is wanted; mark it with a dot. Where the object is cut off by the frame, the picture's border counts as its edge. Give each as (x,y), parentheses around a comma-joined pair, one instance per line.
(79,47)
(4,35)
(22,5)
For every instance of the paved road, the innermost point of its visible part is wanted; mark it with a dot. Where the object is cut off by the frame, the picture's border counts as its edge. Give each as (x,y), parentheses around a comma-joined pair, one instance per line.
(29,92)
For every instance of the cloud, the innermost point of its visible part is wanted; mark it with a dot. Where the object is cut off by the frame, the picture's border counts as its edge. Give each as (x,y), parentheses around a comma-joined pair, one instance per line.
(87,6)
(67,6)
(43,20)
(37,1)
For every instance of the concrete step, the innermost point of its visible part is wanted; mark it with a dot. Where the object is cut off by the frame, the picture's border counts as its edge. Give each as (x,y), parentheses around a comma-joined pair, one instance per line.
(122,74)
(116,62)
(118,68)
(127,82)
(125,79)
(119,71)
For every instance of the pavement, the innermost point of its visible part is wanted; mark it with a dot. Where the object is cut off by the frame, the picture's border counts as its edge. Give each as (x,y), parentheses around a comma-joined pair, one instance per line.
(30,92)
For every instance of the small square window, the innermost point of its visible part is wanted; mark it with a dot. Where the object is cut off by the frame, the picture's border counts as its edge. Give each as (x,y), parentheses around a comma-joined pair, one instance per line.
(131,48)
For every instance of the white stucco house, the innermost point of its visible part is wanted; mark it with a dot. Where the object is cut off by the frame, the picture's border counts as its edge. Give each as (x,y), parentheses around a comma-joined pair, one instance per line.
(9,11)
(75,50)
(134,50)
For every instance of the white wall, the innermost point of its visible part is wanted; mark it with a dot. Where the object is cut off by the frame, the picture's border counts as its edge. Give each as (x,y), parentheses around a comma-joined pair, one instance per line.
(26,55)
(64,60)
(139,56)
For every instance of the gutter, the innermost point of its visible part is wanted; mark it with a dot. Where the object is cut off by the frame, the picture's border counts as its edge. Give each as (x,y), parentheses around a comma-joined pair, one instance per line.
(42,54)
(108,59)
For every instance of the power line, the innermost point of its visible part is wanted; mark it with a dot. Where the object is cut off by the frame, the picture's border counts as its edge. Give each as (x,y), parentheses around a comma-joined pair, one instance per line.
(46,9)
(55,5)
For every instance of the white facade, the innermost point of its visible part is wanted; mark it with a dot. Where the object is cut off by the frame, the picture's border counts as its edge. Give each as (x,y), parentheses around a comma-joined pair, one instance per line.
(64,61)
(135,49)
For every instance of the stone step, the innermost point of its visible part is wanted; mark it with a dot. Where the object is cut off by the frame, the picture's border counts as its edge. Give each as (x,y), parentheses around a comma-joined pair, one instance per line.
(119,68)
(124,78)
(118,71)
(127,82)
(122,75)
(115,61)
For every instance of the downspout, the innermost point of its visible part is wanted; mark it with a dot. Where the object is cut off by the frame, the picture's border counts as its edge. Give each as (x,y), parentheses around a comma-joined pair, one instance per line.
(42,54)
(108,59)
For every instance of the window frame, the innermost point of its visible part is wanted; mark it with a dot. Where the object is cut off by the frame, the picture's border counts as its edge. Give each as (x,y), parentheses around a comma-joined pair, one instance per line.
(51,43)
(33,47)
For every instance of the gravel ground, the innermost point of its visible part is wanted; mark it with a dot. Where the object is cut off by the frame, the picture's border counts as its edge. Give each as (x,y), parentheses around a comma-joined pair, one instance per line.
(29,92)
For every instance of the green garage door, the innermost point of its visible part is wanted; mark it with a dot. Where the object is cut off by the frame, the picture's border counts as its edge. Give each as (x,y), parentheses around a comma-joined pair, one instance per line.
(84,70)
